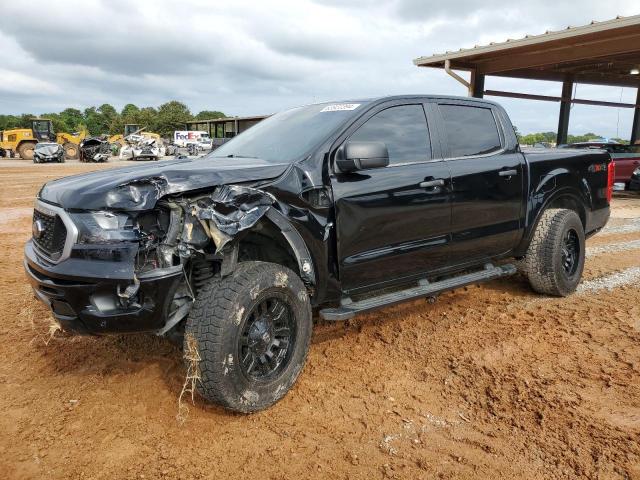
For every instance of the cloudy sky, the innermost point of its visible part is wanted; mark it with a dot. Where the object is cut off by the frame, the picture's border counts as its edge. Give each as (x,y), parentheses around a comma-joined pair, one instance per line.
(257,57)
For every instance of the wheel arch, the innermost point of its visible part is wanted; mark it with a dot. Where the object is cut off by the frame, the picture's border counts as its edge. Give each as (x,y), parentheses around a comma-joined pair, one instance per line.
(566,198)
(275,240)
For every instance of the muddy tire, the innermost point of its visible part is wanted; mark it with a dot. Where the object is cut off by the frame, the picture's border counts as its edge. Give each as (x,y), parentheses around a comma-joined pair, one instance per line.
(25,150)
(71,150)
(555,257)
(252,331)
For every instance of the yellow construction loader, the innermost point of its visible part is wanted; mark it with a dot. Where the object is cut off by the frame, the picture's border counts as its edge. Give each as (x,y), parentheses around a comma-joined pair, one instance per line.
(23,140)
(131,129)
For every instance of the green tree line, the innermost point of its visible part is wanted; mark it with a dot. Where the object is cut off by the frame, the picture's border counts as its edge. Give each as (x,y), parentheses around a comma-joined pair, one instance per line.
(550,137)
(105,119)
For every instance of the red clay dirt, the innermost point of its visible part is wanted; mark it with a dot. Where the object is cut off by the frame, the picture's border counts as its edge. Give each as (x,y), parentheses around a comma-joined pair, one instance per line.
(489,382)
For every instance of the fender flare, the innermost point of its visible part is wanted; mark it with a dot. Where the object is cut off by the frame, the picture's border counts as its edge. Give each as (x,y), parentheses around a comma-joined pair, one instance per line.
(571,193)
(296,242)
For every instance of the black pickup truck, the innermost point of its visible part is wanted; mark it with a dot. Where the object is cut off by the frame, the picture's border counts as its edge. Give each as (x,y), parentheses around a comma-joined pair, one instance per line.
(337,208)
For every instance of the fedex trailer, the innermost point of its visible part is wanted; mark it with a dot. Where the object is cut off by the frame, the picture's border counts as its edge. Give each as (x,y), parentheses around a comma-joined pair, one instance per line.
(184,137)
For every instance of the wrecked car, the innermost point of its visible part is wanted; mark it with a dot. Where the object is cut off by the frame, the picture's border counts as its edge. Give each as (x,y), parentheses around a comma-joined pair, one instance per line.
(45,152)
(339,207)
(146,149)
(141,147)
(94,149)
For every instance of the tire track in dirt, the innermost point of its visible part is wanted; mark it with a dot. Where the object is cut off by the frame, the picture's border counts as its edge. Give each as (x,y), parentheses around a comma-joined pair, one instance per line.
(613,247)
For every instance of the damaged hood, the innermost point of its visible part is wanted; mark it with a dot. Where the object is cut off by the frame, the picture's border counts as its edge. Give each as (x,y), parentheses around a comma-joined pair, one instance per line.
(139,187)
(47,150)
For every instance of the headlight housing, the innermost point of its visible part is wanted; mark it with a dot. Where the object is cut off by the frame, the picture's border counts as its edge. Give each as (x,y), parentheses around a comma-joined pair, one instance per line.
(636,172)
(104,227)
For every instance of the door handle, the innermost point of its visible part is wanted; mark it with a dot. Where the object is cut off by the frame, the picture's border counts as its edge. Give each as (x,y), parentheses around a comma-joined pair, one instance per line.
(508,173)
(432,183)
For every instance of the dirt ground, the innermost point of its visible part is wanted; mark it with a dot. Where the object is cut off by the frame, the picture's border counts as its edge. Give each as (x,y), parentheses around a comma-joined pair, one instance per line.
(489,382)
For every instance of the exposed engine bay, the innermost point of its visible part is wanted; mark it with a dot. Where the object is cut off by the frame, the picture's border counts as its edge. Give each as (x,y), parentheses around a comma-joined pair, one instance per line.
(198,234)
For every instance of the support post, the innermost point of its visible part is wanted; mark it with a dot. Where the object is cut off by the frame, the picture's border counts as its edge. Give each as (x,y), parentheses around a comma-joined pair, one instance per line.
(477,84)
(635,129)
(447,68)
(565,111)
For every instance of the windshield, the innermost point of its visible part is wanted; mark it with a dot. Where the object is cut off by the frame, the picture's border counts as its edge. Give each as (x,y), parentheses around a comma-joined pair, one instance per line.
(41,126)
(287,136)
(130,129)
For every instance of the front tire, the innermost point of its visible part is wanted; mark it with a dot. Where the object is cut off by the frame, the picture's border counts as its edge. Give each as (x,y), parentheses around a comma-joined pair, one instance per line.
(555,257)
(252,331)
(25,150)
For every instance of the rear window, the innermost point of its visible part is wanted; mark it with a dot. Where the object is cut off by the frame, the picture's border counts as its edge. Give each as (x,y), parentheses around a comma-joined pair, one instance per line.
(470,130)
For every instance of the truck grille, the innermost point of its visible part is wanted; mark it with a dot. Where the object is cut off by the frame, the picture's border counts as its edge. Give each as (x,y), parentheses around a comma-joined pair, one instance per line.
(53,234)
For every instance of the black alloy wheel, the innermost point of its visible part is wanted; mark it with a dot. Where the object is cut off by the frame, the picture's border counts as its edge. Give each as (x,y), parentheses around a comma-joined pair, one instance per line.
(267,339)
(570,252)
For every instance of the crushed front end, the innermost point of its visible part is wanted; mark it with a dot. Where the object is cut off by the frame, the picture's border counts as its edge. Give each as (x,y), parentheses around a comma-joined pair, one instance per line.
(127,269)
(91,277)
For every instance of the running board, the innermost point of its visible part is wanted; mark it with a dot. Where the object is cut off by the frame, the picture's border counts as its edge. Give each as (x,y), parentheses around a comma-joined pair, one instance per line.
(349,309)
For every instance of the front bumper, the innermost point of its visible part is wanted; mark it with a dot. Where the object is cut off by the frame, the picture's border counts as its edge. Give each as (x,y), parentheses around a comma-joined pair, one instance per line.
(83,294)
(44,159)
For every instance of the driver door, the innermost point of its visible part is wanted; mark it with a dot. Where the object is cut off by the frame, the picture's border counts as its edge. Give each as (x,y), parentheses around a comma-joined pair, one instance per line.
(393,223)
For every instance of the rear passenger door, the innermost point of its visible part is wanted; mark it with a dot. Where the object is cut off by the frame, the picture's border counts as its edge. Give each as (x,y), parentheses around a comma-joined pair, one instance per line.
(486,180)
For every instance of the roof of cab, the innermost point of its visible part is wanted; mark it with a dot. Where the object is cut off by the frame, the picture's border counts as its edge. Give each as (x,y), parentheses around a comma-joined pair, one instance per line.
(387,98)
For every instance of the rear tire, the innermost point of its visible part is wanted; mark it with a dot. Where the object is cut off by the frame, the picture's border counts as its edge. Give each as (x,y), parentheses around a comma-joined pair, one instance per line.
(555,257)
(252,331)
(71,150)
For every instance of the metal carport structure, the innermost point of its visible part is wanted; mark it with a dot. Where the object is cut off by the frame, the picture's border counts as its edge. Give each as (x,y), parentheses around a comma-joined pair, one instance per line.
(224,128)
(601,53)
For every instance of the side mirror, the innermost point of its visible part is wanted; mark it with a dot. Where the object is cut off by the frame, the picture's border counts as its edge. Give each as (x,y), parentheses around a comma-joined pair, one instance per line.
(362,155)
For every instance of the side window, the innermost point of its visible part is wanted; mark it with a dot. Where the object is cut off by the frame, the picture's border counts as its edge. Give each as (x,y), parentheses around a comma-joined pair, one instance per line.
(403,129)
(470,130)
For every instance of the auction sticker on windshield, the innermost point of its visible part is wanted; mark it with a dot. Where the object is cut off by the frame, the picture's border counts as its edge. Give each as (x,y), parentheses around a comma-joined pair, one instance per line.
(339,107)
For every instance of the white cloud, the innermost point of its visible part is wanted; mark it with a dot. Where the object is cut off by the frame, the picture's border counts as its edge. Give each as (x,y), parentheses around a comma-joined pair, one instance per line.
(16,83)
(251,57)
